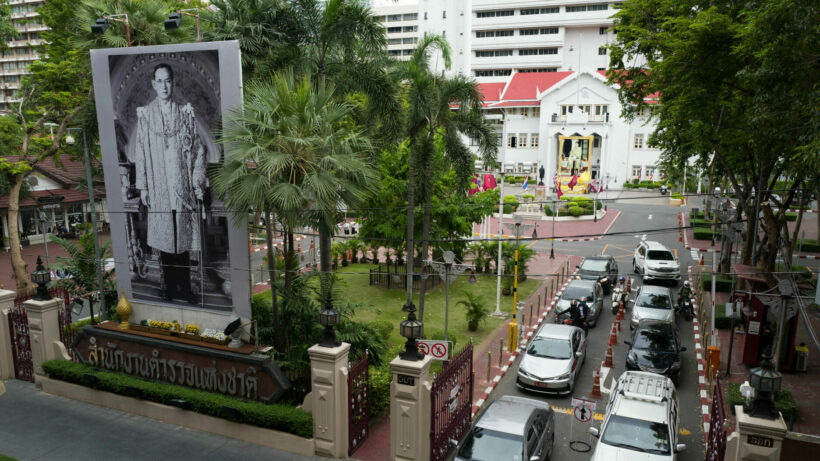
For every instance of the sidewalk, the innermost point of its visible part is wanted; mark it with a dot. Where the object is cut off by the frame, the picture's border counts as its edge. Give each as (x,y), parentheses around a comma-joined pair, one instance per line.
(39,426)
(805,387)
(377,446)
(567,231)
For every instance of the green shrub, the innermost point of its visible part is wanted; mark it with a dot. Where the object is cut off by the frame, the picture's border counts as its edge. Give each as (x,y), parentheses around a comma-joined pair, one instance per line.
(7,458)
(636,181)
(810,246)
(510,204)
(722,322)
(628,185)
(701,215)
(274,416)
(790,216)
(784,400)
(510,180)
(384,327)
(723,284)
(547,210)
(79,324)
(528,197)
(378,389)
(677,196)
(702,234)
(576,211)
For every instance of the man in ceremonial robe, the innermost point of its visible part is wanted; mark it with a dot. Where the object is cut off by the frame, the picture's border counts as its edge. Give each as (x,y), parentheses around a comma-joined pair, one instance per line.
(170,163)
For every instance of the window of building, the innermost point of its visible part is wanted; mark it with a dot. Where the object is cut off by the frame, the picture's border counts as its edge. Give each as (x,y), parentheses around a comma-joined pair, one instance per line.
(393,41)
(638,141)
(410,16)
(494,14)
(602,50)
(636,171)
(407,40)
(492,53)
(505,33)
(601,109)
(407,52)
(538,69)
(425,15)
(493,73)
(529,32)
(410,28)
(535,112)
(602,68)
(537,51)
(512,141)
(393,30)
(394,17)
(566,109)
(549,30)
(522,139)
(533,139)
(394,52)
(444,14)
(598,7)
(530,11)
(494,33)
(576,8)
(586,108)
(602,30)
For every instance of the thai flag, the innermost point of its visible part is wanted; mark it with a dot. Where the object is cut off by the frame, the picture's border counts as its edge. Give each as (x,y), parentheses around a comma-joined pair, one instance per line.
(526,182)
(652,175)
(593,187)
(555,179)
(573,181)
(558,192)
(639,172)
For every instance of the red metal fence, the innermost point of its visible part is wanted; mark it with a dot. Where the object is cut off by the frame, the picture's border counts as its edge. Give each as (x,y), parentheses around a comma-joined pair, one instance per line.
(451,404)
(716,445)
(358,414)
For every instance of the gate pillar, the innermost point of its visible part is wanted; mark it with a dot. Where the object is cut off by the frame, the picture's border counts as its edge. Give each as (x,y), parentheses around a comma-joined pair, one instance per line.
(756,438)
(410,409)
(328,378)
(44,329)
(6,358)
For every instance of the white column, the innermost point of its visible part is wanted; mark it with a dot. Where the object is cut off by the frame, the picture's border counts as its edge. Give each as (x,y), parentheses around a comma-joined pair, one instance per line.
(410,409)
(44,329)
(6,359)
(5,225)
(767,434)
(328,371)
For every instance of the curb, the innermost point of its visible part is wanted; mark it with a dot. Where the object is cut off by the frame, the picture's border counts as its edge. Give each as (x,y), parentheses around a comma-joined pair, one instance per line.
(603,234)
(702,385)
(522,344)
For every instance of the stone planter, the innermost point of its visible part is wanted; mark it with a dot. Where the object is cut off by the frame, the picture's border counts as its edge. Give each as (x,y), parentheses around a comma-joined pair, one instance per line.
(674,202)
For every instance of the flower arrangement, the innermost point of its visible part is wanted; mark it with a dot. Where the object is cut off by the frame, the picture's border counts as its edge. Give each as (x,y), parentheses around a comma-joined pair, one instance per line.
(215,334)
(160,324)
(191,329)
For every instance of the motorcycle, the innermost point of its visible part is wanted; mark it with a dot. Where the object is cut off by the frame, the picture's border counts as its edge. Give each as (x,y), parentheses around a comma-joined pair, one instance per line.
(664,189)
(685,307)
(619,295)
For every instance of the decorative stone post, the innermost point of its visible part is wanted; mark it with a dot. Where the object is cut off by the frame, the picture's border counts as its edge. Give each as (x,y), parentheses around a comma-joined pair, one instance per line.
(328,374)
(755,438)
(6,359)
(44,329)
(410,409)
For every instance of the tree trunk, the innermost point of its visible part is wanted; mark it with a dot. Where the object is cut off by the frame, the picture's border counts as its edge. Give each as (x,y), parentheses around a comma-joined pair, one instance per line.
(18,264)
(797,224)
(411,215)
(425,241)
(768,253)
(324,258)
(272,271)
(289,266)
(818,203)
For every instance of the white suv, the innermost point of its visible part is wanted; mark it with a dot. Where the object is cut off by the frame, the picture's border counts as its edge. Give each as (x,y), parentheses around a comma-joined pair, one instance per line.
(655,262)
(641,420)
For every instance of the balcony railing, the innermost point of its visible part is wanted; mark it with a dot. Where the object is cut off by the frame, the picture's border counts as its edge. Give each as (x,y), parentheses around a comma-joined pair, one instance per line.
(584,118)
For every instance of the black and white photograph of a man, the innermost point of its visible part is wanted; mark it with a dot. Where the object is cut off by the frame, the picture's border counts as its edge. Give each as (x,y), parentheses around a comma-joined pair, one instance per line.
(167,108)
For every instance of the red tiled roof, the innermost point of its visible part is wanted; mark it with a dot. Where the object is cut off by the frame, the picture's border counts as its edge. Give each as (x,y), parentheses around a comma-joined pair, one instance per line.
(527,86)
(66,173)
(70,196)
(491,91)
(514,104)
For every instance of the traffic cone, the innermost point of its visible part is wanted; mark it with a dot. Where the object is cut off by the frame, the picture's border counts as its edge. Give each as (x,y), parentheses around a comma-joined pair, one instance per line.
(312,244)
(629,284)
(680,237)
(701,260)
(618,322)
(613,336)
(608,358)
(621,308)
(596,386)
(299,247)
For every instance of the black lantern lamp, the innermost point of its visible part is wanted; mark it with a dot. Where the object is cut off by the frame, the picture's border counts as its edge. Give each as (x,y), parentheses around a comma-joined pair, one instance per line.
(411,329)
(329,318)
(41,277)
(765,380)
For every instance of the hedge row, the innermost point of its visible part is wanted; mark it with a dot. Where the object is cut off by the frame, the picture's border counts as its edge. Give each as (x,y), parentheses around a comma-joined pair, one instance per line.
(722,322)
(274,416)
(784,401)
(702,234)
(723,284)
(810,246)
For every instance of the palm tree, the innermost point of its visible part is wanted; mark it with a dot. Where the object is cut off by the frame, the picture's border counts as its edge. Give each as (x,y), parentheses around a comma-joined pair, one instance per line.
(292,149)
(441,110)
(476,312)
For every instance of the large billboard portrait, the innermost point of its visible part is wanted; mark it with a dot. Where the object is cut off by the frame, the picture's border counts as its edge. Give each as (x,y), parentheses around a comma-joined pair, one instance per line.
(158,110)
(574,152)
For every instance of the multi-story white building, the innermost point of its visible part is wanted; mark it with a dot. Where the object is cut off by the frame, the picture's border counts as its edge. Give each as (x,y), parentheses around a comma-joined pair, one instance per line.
(21,52)
(540,64)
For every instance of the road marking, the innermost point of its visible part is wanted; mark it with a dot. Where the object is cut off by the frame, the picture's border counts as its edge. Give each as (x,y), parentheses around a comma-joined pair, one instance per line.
(650,216)
(683,431)
(568,411)
(604,250)
(2,388)
(643,237)
(676,253)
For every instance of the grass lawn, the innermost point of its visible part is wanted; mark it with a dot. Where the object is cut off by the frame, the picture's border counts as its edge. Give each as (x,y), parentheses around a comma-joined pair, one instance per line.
(386,304)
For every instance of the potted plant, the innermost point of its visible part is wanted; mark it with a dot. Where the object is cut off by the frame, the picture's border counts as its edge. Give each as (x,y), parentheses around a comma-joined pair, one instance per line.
(475,311)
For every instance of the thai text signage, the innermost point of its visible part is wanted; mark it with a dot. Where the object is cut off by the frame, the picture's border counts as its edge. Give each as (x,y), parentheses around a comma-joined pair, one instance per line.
(251,377)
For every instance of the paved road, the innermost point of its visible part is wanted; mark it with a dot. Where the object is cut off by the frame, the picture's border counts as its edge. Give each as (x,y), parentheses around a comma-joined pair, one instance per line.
(39,426)
(639,217)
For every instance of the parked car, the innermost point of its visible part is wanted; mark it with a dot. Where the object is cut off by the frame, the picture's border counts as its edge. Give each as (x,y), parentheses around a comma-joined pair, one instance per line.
(512,428)
(653,302)
(641,420)
(578,289)
(655,262)
(602,268)
(655,347)
(553,359)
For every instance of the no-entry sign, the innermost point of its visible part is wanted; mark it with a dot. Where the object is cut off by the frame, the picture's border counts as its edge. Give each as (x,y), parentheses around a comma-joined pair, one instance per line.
(437,349)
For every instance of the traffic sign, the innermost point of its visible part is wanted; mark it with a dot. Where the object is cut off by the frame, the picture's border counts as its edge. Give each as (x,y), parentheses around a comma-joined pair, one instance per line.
(582,414)
(589,404)
(437,349)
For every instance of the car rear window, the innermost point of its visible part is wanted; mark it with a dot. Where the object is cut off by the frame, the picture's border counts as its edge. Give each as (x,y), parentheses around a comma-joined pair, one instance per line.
(636,434)
(576,292)
(655,339)
(660,255)
(485,444)
(594,265)
(550,348)
(653,300)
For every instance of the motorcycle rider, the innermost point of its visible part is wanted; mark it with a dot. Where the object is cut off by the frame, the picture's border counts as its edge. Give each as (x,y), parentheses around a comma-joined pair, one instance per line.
(583,307)
(685,292)
(575,313)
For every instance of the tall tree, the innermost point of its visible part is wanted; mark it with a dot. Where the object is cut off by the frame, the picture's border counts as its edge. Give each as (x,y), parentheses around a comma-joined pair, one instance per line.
(7,30)
(292,149)
(441,111)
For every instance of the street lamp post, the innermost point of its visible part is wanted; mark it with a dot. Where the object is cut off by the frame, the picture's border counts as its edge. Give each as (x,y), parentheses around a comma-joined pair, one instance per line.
(552,239)
(519,228)
(41,277)
(90,186)
(448,271)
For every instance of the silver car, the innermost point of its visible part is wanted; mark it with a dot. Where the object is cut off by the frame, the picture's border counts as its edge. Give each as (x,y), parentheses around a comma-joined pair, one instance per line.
(553,359)
(578,289)
(653,302)
(512,428)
